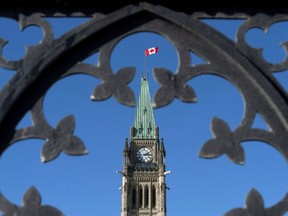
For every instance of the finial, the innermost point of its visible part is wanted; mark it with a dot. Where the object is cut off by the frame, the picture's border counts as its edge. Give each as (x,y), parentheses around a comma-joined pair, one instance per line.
(145,75)
(126,147)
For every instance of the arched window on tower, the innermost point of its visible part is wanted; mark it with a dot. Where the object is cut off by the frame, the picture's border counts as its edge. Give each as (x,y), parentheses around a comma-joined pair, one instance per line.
(153,197)
(140,196)
(133,198)
(146,197)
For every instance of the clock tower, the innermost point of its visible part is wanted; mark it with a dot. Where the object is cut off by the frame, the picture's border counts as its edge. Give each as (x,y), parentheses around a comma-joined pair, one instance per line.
(143,181)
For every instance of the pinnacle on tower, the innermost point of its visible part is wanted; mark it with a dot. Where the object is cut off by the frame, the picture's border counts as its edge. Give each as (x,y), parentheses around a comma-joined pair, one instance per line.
(126,146)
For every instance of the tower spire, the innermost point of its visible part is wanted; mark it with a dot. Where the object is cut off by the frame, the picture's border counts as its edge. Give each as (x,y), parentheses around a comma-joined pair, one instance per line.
(143,176)
(144,124)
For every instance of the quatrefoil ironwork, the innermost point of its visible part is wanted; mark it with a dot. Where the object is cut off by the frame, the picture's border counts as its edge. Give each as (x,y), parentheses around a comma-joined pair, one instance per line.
(54,59)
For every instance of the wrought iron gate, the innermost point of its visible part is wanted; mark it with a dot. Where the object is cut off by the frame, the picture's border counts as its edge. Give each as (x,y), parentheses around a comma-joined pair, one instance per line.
(53,59)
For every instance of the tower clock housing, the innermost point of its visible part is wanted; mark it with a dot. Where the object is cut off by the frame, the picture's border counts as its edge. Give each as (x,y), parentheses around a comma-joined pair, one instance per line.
(143,182)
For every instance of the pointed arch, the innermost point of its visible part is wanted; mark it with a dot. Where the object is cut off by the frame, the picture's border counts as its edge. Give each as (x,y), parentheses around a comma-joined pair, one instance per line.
(153,197)
(140,196)
(134,195)
(146,196)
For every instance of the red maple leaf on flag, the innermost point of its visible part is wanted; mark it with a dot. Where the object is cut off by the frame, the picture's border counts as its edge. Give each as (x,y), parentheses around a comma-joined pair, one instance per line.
(151,51)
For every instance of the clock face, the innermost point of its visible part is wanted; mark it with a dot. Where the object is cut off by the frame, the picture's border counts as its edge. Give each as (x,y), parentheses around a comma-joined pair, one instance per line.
(144,155)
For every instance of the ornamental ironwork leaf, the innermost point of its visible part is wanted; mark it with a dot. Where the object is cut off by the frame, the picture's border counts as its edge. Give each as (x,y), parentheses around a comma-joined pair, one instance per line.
(74,146)
(125,95)
(186,94)
(62,139)
(116,84)
(102,92)
(32,197)
(6,206)
(212,149)
(255,207)
(31,206)
(163,96)
(222,143)
(57,139)
(255,203)
(172,85)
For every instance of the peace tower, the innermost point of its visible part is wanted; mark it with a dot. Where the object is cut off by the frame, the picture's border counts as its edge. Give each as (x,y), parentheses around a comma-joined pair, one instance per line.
(143,182)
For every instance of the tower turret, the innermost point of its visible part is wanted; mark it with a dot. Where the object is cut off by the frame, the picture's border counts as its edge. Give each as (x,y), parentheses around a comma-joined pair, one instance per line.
(126,153)
(162,152)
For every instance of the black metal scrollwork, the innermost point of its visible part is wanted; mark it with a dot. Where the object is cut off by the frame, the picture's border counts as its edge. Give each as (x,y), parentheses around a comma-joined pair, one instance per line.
(54,59)
(59,139)
(172,85)
(24,22)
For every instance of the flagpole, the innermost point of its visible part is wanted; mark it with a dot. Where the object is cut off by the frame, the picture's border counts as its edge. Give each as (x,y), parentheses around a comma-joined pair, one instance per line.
(144,75)
(148,52)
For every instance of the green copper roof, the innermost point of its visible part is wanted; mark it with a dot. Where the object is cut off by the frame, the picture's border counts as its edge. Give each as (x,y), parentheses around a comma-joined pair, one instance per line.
(144,125)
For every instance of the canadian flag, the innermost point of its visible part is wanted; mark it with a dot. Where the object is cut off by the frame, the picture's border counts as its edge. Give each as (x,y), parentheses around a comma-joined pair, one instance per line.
(151,51)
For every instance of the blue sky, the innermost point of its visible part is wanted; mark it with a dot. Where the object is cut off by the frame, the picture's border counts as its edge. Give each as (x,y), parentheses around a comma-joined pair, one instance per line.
(88,185)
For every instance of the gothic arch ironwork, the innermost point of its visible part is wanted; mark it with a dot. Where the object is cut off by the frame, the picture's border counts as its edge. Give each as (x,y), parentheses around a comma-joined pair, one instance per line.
(55,59)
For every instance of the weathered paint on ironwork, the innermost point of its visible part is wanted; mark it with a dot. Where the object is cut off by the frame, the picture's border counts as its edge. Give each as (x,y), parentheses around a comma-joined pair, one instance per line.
(53,59)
